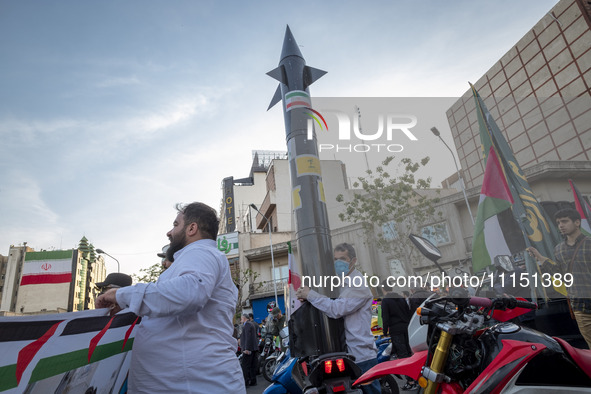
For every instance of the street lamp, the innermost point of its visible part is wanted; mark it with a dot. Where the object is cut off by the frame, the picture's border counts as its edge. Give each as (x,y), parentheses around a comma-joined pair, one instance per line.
(100,251)
(437,134)
(272,258)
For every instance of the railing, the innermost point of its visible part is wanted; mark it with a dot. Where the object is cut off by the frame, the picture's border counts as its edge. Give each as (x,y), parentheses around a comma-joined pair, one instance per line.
(267,286)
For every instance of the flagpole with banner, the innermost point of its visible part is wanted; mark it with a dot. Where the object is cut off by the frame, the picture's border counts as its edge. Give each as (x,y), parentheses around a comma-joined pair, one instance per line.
(294,282)
(496,232)
(537,228)
(583,208)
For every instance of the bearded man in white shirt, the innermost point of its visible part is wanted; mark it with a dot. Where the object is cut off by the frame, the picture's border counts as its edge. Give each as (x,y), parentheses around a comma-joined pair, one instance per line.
(184,343)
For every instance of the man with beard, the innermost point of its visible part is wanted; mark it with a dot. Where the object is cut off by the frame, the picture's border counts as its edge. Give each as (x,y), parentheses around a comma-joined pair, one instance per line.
(573,256)
(187,314)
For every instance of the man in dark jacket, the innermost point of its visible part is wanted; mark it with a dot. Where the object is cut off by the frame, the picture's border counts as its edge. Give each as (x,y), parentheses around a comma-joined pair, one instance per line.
(395,319)
(249,347)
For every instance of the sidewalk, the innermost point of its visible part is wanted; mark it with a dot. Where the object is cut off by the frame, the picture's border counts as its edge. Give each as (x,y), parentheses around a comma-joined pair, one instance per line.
(262,384)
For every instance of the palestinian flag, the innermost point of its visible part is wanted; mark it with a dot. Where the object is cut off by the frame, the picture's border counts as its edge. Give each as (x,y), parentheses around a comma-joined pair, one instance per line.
(42,351)
(47,267)
(537,228)
(583,208)
(496,233)
(297,99)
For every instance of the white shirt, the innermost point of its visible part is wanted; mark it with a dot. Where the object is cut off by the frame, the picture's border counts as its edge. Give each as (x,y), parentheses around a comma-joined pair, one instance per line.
(354,304)
(184,343)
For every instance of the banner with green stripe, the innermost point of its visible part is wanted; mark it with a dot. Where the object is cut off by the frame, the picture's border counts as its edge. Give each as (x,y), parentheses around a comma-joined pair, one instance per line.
(72,352)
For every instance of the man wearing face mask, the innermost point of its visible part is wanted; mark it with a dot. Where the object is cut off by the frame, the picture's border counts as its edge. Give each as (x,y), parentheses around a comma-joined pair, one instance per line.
(354,305)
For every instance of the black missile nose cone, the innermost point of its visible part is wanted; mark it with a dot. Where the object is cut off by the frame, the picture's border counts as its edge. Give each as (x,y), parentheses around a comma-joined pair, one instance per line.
(290,46)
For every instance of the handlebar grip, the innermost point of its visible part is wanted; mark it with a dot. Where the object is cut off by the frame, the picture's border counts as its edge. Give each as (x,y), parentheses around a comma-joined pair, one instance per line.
(526,304)
(480,301)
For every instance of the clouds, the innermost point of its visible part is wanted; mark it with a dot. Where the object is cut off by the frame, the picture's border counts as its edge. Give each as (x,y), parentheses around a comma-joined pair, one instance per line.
(113,112)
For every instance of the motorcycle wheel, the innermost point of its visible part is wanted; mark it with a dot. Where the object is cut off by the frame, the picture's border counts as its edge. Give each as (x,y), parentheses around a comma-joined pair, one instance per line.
(389,385)
(269,366)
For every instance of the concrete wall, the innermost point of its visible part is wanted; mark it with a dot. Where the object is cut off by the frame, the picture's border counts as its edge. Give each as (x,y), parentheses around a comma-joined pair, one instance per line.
(244,195)
(35,298)
(12,277)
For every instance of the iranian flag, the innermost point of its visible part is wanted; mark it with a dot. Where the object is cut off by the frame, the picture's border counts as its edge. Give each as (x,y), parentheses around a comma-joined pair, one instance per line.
(294,282)
(496,233)
(47,267)
(297,99)
(583,208)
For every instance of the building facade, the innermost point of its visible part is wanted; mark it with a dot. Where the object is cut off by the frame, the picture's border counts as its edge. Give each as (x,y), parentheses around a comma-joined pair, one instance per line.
(539,95)
(51,281)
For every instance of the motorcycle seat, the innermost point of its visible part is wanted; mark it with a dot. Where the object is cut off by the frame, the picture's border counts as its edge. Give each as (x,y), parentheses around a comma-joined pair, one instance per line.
(582,357)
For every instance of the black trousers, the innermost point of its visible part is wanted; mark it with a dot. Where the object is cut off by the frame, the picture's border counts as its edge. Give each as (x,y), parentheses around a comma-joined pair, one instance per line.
(249,364)
(400,343)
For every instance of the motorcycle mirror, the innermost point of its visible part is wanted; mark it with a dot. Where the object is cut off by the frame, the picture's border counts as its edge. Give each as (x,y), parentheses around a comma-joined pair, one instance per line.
(427,248)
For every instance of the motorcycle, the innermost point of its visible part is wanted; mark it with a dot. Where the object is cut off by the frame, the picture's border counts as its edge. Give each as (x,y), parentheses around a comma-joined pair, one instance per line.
(282,379)
(272,359)
(387,383)
(287,376)
(473,348)
(465,356)
(266,349)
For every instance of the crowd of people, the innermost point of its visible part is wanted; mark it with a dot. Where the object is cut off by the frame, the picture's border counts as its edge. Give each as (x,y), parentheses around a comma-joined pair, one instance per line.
(187,314)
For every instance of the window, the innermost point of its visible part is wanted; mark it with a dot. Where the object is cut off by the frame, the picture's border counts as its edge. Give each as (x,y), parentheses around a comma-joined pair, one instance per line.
(281,272)
(436,233)
(389,230)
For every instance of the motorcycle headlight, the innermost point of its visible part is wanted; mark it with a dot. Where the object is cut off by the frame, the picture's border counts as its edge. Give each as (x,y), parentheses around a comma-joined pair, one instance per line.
(285,342)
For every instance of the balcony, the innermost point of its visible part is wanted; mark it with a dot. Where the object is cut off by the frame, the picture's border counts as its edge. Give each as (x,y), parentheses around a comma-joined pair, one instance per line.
(265,288)
(267,208)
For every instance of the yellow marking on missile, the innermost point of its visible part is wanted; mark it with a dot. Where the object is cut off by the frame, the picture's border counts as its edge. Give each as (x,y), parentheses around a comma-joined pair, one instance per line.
(296,200)
(321,192)
(308,165)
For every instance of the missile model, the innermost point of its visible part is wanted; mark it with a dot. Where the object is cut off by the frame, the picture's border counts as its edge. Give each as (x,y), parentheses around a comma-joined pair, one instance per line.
(313,239)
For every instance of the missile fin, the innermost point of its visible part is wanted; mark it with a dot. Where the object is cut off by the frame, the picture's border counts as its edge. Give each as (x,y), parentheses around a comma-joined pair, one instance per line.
(311,75)
(278,74)
(276,97)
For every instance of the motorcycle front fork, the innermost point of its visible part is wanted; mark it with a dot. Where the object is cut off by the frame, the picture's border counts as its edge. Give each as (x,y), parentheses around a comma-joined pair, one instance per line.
(433,375)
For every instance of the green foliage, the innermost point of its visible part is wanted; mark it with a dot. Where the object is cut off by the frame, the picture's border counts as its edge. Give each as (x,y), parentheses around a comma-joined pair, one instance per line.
(149,274)
(392,207)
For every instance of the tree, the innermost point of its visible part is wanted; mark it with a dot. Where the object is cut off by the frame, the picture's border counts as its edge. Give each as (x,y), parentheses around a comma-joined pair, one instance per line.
(149,274)
(241,278)
(390,208)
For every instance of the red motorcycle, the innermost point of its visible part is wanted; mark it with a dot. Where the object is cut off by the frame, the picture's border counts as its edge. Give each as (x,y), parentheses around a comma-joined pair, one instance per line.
(466,356)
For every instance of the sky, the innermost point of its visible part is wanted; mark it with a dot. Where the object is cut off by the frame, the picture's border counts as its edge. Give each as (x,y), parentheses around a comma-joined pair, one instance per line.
(112,112)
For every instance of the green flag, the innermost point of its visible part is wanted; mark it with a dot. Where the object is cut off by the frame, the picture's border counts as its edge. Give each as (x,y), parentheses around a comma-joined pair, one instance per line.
(538,229)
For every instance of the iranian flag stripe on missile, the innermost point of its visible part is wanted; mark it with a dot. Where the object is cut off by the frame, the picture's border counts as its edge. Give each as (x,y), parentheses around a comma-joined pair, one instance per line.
(47,267)
(297,99)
